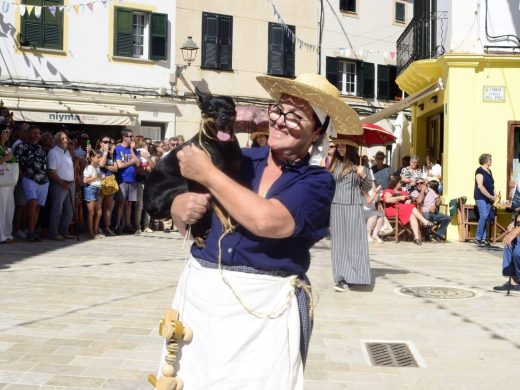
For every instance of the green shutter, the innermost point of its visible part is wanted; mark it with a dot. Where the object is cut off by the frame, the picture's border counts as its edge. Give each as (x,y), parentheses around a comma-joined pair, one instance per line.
(331,71)
(288,47)
(209,40)
(123,43)
(52,26)
(368,80)
(383,82)
(31,27)
(360,78)
(225,39)
(159,37)
(275,56)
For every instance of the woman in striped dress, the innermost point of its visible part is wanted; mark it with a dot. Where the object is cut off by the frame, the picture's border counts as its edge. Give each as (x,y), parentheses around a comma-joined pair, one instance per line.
(350,262)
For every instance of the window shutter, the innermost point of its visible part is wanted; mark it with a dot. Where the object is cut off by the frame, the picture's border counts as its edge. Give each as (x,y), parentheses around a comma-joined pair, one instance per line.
(225,35)
(158,37)
(368,80)
(360,79)
(123,33)
(31,27)
(276,53)
(395,91)
(209,40)
(383,82)
(52,26)
(331,71)
(289,60)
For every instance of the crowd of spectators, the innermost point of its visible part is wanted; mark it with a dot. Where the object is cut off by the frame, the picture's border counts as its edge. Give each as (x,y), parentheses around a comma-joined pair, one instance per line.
(70,184)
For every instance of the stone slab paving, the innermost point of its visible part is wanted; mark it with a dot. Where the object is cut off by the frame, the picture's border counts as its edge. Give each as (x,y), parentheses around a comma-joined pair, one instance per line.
(84,316)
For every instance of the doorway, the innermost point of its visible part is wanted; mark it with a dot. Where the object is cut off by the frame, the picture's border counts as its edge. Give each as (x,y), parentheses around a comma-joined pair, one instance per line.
(435,136)
(513,151)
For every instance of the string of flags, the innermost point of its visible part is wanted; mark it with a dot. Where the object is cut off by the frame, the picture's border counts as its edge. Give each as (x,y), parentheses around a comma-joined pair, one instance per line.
(290,34)
(363,53)
(36,10)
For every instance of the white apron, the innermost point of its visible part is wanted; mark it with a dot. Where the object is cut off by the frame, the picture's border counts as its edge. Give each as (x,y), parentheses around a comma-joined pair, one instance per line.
(232,348)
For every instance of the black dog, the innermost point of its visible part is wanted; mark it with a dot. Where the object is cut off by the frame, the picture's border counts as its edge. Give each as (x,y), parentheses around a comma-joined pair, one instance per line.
(217,138)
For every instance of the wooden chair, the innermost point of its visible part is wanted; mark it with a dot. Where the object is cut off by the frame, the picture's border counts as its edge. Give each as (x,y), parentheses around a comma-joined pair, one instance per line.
(399,229)
(467,217)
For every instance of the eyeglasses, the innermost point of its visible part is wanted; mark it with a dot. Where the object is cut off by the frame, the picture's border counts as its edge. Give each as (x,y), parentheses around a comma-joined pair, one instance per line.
(332,146)
(290,119)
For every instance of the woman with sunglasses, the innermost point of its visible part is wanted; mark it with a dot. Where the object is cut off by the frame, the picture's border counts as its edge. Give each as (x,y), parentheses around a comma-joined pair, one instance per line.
(108,167)
(6,192)
(243,293)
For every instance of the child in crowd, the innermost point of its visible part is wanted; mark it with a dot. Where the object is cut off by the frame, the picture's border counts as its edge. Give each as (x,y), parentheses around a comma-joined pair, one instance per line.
(92,178)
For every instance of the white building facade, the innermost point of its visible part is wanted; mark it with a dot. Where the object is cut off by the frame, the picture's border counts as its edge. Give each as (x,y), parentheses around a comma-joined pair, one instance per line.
(96,66)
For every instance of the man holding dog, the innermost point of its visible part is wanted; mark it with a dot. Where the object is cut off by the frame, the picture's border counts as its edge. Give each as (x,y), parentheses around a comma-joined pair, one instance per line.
(251,320)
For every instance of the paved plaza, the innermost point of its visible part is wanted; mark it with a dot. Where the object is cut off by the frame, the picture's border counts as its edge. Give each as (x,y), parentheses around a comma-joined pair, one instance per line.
(84,316)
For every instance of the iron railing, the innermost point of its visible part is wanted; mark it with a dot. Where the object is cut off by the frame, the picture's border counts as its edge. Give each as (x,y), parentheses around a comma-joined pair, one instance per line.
(423,38)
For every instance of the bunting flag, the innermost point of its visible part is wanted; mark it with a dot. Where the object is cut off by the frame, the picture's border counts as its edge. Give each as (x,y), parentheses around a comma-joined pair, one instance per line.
(290,34)
(52,10)
(90,6)
(29,9)
(22,9)
(75,7)
(38,11)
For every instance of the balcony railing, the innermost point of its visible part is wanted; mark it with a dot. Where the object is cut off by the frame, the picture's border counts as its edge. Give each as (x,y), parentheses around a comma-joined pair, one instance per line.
(422,39)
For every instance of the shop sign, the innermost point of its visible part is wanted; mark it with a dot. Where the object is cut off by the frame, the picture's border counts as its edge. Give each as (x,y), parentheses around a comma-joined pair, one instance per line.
(494,94)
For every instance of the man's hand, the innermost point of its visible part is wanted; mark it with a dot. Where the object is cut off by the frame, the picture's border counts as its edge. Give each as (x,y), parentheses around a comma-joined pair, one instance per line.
(508,239)
(189,207)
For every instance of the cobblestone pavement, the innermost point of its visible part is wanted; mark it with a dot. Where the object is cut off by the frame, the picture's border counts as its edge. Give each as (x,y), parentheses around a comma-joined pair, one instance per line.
(84,315)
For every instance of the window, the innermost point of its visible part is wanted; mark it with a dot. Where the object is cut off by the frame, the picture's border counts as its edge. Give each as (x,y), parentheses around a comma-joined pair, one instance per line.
(351,77)
(347,77)
(387,89)
(140,34)
(347,5)
(280,57)
(45,32)
(400,14)
(217,41)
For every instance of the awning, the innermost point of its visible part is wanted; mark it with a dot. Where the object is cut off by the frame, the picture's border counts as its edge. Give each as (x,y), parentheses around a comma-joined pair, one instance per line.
(405,103)
(53,111)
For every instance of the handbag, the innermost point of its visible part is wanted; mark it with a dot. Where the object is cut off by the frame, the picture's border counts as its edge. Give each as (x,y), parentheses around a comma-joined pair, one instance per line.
(9,173)
(387,228)
(109,186)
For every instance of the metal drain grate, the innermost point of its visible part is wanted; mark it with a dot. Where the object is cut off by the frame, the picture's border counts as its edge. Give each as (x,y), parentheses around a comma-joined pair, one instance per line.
(391,355)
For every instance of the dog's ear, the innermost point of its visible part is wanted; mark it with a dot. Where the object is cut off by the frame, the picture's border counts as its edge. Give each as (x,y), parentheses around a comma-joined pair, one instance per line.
(201,98)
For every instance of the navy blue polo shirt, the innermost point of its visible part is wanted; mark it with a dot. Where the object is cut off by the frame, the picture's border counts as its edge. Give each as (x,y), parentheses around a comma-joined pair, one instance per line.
(306,191)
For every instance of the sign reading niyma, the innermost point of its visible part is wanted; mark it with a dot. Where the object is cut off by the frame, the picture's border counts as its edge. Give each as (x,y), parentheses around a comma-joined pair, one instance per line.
(494,94)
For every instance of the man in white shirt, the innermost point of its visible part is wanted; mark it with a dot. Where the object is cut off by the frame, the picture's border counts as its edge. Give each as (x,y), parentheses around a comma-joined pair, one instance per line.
(62,188)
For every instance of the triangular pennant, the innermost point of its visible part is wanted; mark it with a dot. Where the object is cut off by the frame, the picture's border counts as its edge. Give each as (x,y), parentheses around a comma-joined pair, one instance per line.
(392,54)
(38,11)
(61,7)
(52,10)
(90,6)
(105,2)
(22,9)
(83,8)
(29,9)
(75,7)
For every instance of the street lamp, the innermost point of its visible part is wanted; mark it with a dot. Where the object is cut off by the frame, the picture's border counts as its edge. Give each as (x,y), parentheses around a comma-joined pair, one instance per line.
(189,53)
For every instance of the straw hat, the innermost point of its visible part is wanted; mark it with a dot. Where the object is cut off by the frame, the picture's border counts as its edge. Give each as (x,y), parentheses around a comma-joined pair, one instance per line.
(344,141)
(317,90)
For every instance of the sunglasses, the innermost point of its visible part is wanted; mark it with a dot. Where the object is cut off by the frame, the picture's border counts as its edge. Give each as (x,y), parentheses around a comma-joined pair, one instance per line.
(332,146)
(420,182)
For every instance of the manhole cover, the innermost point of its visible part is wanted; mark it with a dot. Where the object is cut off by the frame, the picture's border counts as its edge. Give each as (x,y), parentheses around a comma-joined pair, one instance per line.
(437,292)
(391,355)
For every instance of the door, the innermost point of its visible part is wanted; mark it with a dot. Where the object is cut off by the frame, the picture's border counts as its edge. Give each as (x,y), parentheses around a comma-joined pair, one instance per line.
(435,136)
(513,151)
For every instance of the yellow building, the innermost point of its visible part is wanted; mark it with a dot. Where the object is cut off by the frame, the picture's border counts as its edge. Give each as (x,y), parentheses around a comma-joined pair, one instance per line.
(459,64)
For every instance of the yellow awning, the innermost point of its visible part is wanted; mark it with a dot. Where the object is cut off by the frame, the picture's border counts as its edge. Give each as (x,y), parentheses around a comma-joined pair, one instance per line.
(62,111)
(405,103)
